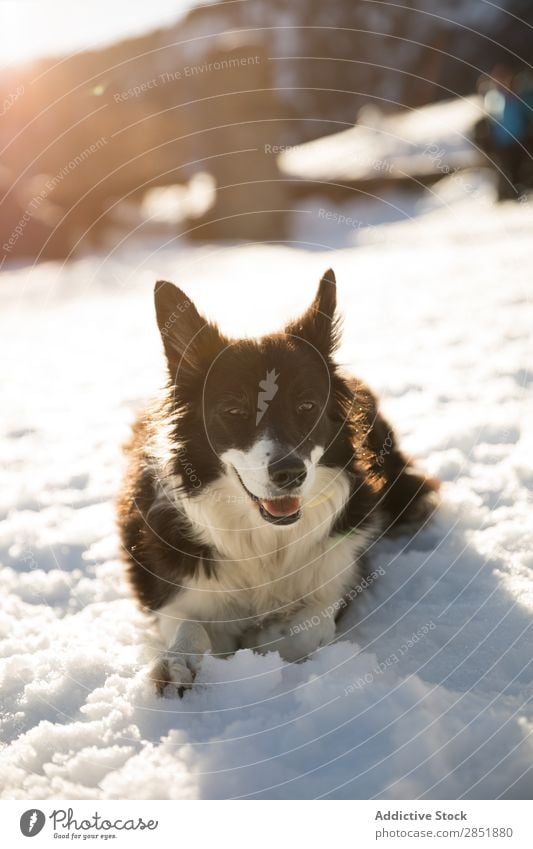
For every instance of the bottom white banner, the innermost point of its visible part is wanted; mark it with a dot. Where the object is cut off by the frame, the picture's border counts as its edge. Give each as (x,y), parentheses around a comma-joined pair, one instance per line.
(258,823)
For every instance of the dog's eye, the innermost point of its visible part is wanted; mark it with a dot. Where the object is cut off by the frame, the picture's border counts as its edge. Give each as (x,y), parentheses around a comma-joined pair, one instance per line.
(306,407)
(236,411)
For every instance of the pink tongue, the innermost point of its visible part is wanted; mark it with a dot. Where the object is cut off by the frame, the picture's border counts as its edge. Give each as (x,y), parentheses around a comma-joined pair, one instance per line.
(281,506)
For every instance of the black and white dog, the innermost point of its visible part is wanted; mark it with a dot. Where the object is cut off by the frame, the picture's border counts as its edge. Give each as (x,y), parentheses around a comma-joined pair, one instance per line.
(255,485)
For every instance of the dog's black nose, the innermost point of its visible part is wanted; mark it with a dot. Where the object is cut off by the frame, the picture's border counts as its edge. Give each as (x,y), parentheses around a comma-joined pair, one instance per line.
(287,473)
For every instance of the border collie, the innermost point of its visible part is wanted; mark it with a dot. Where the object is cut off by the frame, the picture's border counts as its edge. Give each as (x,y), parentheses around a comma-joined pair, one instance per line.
(255,486)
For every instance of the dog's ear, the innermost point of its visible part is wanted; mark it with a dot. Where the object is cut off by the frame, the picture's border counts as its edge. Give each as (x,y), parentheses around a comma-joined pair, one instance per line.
(320,325)
(191,343)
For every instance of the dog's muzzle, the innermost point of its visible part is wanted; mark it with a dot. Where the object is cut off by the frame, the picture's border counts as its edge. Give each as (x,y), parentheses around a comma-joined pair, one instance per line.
(278,510)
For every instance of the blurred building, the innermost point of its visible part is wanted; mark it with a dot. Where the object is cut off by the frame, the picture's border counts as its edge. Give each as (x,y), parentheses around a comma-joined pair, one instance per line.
(88,134)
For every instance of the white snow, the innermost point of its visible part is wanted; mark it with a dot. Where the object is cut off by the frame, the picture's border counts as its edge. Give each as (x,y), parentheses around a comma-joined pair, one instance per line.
(417,143)
(428,691)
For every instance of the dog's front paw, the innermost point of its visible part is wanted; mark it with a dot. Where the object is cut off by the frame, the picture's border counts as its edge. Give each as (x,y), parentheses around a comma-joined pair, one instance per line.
(295,638)
(179,664)
(175,670)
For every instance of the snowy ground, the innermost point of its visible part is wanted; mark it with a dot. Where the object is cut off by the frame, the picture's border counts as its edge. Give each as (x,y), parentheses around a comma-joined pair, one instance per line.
(428,691)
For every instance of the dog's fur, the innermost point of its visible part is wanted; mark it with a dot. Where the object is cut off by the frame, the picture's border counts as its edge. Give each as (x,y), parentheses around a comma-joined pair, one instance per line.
(255,485)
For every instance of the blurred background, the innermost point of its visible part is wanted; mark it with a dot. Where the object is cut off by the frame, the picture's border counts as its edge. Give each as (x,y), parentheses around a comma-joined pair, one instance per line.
(225,120)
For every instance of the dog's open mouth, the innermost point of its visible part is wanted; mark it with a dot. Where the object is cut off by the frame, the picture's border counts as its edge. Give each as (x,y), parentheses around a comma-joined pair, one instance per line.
(284,510)
(280,511)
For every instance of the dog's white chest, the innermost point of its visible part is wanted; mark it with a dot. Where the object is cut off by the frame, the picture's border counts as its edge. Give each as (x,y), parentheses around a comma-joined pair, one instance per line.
(277,583)
(264,572)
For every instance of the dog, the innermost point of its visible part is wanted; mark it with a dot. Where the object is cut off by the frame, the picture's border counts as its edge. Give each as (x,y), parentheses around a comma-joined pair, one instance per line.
(255,486)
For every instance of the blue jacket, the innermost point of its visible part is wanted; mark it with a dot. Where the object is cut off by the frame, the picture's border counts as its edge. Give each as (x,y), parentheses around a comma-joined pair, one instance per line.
(508,117)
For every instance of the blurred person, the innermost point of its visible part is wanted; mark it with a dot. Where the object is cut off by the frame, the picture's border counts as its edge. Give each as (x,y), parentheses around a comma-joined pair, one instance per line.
(505,135)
